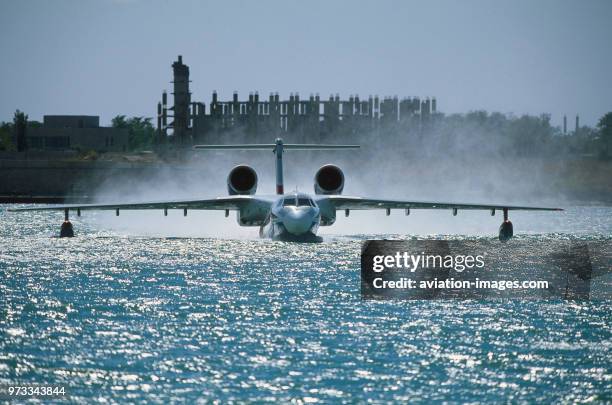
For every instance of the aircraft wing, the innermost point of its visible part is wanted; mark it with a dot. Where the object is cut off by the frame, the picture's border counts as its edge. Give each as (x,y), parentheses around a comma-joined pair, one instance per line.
(219,203)
(358,203)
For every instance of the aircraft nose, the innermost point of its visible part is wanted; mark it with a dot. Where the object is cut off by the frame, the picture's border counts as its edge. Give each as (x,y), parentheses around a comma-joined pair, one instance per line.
(298,221)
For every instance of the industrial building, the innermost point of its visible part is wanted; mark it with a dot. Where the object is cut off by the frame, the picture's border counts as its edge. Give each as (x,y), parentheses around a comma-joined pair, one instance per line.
(256,119)
(76,132)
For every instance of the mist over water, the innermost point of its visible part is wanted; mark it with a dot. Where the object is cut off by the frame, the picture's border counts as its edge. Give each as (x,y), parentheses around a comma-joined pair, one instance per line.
(380,169)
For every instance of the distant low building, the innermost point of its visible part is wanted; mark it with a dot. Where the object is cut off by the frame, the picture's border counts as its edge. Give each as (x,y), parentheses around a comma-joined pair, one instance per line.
(76,132)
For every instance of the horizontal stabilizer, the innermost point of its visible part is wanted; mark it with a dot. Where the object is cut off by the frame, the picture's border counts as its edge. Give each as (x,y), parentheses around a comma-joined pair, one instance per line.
(303,146)
(317,147)
(237,146)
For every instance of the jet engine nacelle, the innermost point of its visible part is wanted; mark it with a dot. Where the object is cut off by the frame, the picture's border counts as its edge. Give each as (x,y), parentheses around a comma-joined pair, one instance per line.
(329,180)
(242,179)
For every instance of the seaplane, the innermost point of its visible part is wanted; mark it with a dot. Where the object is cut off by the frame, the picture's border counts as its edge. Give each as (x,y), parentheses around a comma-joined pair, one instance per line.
(294,217)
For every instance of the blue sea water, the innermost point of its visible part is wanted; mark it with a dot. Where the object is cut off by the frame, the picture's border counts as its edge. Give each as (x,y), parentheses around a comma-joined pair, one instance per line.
(121,317)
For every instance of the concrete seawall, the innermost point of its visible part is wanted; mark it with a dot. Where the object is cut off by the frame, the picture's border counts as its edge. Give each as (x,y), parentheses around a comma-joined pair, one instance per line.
(48,181)
(55,180)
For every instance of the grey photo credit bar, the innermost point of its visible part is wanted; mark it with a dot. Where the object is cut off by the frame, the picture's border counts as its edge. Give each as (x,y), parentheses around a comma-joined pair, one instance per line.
(476,269)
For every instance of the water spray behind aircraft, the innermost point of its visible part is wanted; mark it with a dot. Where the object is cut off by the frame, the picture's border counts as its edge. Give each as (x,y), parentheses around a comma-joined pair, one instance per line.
(294,216)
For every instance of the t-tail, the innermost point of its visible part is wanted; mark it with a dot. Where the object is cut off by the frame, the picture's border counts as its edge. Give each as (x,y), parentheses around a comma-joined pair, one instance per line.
(278,147)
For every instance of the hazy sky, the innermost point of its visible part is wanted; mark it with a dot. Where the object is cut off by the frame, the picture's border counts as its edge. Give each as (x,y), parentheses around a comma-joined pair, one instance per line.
(113,57)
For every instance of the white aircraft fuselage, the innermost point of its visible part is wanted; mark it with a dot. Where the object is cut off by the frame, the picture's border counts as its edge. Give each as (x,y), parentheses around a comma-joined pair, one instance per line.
(293,217)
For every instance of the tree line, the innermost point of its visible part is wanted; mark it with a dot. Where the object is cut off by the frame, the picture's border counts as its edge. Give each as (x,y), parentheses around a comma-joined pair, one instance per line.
(476,131)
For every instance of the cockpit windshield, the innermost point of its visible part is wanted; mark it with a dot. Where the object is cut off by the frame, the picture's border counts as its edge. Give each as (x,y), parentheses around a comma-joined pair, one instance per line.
(305,202)
(299,202)
(289,202)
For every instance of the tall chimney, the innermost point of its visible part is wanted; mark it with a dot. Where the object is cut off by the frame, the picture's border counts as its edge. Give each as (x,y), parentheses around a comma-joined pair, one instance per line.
(182,99)
(577,124)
